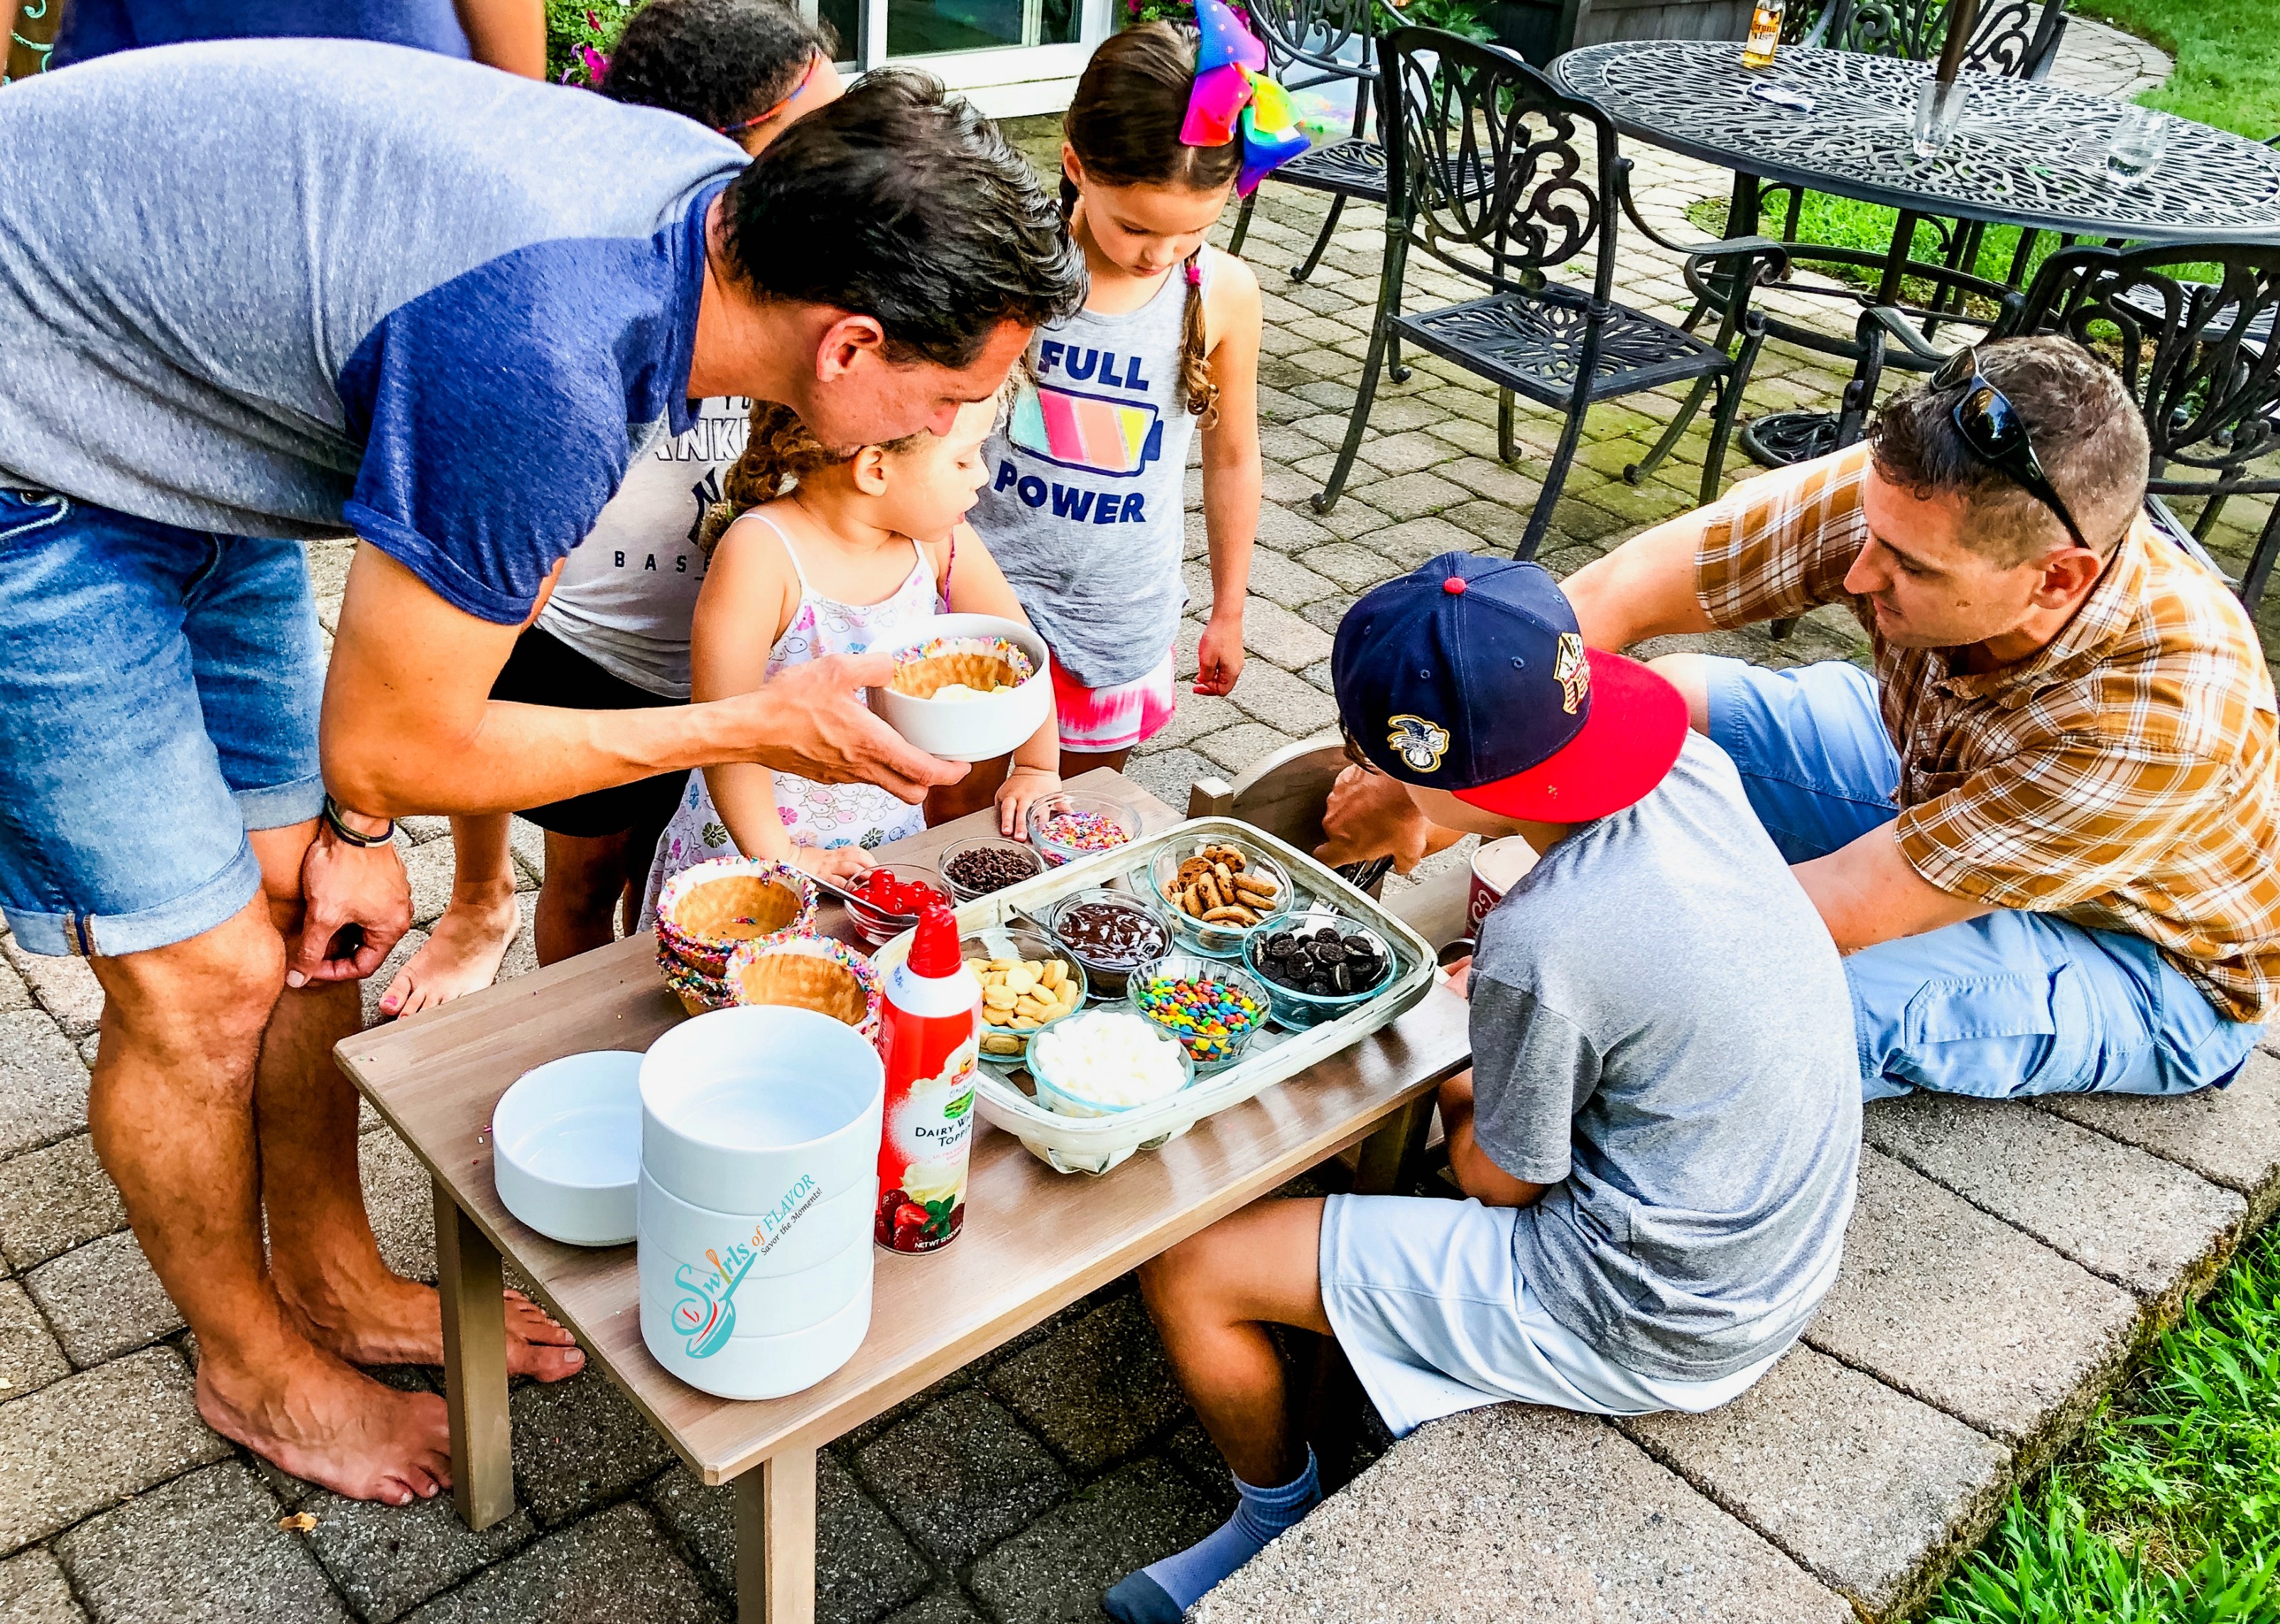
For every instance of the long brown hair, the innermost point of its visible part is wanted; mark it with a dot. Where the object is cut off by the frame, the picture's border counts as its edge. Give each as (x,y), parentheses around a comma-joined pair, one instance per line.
(1125,126)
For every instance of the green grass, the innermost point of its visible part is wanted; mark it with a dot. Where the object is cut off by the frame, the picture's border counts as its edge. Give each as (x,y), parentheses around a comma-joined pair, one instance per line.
(2228,53)
(2167,1509)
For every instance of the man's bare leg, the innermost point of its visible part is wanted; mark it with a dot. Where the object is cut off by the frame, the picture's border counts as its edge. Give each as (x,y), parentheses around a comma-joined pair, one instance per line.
(173,1118)
(325,1262)
(463,953)
(1212,1296)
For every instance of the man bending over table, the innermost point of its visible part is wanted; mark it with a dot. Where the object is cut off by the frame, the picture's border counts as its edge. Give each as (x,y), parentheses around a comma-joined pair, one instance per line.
(2043,831)
(1660,1132)
(357,286)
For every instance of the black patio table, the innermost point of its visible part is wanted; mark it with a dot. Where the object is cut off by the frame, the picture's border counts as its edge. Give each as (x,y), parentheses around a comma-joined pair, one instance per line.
(2025,154)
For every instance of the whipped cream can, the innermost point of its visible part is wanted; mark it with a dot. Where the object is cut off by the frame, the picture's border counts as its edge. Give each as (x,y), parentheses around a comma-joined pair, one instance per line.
(929,1037)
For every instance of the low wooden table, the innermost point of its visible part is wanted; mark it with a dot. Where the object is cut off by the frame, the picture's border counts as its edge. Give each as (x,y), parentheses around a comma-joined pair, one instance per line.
(1035,1240)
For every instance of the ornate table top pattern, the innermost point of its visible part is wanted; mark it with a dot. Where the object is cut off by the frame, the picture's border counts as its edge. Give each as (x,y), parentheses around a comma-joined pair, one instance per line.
(2027,154)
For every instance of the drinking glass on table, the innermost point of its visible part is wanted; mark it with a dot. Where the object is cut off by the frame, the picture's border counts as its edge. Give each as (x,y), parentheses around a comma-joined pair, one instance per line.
(2134,150)
(1939,110)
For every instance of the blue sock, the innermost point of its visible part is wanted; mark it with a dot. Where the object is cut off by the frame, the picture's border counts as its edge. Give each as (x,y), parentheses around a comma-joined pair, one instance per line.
(1160,1592)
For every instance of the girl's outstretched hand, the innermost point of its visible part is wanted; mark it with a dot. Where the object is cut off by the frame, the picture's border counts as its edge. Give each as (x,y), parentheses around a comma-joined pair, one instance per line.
(834,863)
(1022,786)
(1219,654)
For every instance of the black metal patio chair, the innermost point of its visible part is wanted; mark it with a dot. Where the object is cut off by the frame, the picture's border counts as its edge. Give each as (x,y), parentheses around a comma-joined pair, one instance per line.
(1554,186)
(1312,43)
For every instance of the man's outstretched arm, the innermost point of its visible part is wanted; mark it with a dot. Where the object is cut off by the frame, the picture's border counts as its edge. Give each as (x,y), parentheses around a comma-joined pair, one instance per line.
(1644,588)
(410,727)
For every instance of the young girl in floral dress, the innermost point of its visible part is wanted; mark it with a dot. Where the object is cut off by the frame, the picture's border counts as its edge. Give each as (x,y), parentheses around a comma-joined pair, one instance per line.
(835,566)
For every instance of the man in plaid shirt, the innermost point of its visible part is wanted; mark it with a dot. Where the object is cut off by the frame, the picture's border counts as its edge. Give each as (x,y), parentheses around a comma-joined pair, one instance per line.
(2043,831)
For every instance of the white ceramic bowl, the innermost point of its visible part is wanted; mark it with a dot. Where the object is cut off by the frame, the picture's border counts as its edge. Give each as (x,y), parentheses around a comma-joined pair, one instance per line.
(741,1105)
(788,1240)
(763,1310)
(566,1144)
(976,730)
(753,1366)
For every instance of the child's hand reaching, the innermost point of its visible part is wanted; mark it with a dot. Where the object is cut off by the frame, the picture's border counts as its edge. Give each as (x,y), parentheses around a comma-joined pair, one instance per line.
(1022,786)
(1219,654)
(837,864)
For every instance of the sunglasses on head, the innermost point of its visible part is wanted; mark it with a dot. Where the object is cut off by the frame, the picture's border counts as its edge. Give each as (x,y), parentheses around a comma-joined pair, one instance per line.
(815,64)
(1997,435)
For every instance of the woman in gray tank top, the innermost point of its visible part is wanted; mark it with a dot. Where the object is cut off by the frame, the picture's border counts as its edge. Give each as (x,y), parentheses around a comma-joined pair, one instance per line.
(1083,509)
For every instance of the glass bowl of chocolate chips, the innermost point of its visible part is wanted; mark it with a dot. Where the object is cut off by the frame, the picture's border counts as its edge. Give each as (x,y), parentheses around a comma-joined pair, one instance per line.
(1317,965)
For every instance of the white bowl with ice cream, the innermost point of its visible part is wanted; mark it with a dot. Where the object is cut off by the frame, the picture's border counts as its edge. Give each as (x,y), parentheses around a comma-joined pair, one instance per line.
(1106,1061)
(967,686)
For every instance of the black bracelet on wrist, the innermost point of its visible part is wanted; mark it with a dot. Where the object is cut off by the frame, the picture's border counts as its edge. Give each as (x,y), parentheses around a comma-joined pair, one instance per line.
(354,837)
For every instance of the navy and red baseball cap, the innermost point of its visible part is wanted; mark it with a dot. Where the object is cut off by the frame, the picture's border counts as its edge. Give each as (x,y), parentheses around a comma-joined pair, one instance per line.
(1469,674)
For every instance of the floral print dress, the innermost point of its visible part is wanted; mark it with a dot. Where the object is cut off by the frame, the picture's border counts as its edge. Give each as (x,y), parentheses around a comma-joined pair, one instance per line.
(815,814)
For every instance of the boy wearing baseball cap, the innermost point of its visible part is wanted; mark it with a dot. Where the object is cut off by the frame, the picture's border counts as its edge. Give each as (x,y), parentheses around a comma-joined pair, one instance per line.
(1661,1130)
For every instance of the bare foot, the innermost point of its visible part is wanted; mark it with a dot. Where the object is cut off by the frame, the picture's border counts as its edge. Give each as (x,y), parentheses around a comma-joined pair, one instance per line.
(461,957)
(314,1417)
(400,1323)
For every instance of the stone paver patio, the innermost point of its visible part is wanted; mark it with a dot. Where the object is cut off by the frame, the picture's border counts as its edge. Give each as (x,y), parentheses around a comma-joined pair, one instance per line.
(2004,1264)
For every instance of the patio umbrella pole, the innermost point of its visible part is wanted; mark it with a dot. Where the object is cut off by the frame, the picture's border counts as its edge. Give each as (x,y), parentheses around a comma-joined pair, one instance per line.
(1962,18)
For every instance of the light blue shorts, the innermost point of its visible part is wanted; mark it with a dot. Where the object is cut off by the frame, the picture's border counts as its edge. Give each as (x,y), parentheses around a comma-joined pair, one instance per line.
(158,698)
(1428,1304)
(2009,1003)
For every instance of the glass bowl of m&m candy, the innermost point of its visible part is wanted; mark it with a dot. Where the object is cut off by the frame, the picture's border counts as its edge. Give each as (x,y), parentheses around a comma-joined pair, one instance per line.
(1069,825)
(1212,1008)
(886,901)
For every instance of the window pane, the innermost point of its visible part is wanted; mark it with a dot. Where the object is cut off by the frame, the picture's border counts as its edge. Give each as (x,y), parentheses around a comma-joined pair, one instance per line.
(1059,23)
(915,27)
(845,18)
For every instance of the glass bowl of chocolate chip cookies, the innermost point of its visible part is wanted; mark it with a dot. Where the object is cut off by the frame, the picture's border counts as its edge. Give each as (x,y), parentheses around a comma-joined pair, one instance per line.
(1215,892)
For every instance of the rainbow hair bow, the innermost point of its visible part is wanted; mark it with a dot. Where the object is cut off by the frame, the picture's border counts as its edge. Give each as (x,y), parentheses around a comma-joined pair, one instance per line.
(1231,89)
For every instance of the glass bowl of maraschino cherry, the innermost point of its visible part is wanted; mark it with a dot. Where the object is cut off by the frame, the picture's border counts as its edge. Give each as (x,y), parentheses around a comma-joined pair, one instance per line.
(886,901)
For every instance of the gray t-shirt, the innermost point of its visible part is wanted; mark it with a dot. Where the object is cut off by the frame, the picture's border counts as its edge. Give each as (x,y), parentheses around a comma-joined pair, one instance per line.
(1082,509)
(283,288)
(1663,1033)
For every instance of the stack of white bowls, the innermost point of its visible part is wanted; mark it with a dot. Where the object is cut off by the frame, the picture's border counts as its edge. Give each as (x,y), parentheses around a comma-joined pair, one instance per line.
(759,1169)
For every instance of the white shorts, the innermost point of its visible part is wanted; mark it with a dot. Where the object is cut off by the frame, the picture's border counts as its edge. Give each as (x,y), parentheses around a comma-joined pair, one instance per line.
(1430,1306)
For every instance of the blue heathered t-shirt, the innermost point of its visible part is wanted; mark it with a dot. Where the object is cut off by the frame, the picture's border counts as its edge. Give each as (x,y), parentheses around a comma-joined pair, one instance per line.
(96,29)
(294,286)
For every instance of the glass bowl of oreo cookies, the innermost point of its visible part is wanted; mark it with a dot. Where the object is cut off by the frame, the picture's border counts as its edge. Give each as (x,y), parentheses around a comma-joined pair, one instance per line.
(1317,965)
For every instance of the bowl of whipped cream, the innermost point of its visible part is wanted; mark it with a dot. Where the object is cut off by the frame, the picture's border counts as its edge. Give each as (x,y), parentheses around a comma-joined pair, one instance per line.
(967,686)
(1106,1061)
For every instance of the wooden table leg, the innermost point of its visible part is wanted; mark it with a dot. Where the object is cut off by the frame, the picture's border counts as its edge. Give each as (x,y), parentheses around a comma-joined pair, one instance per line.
(775,1540)
(475,1365)
(1389,1154)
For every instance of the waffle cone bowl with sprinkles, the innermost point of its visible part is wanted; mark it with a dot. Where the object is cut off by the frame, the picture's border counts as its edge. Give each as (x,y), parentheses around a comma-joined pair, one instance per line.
(979,665)
(707,910)
(809,973)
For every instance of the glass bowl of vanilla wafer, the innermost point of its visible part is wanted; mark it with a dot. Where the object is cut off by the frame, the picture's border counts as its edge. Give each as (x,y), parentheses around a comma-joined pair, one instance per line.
(1215,892)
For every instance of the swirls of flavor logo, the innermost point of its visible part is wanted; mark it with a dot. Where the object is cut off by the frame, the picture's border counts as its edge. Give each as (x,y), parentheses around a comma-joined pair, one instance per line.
(706,1315)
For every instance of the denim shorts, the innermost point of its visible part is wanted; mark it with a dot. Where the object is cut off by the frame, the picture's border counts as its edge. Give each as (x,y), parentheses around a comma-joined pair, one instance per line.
(2010,1003)
(159,699)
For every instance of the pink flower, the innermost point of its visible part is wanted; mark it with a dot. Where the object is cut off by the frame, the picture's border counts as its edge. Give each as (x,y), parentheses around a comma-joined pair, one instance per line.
(596,64)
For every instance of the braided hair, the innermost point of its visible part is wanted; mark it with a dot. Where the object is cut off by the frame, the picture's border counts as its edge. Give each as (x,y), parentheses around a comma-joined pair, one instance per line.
(780,453)
(1124,125)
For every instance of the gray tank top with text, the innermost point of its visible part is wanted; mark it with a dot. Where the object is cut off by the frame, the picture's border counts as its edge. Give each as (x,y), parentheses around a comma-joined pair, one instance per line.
(1082,507)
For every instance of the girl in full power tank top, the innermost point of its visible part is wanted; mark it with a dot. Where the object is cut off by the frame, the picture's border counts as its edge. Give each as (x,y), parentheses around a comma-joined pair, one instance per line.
(1082,508)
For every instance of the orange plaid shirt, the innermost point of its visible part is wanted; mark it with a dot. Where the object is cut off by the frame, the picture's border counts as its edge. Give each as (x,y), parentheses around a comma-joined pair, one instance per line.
(2127,777)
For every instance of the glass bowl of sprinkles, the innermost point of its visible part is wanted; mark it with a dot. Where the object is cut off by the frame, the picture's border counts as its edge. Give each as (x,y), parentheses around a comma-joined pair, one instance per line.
(1212,1008)
(967,686)
(1070,824)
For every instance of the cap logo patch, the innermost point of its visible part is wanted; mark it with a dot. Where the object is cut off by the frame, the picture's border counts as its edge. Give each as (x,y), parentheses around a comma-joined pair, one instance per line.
(1573,672)
(1419,743)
